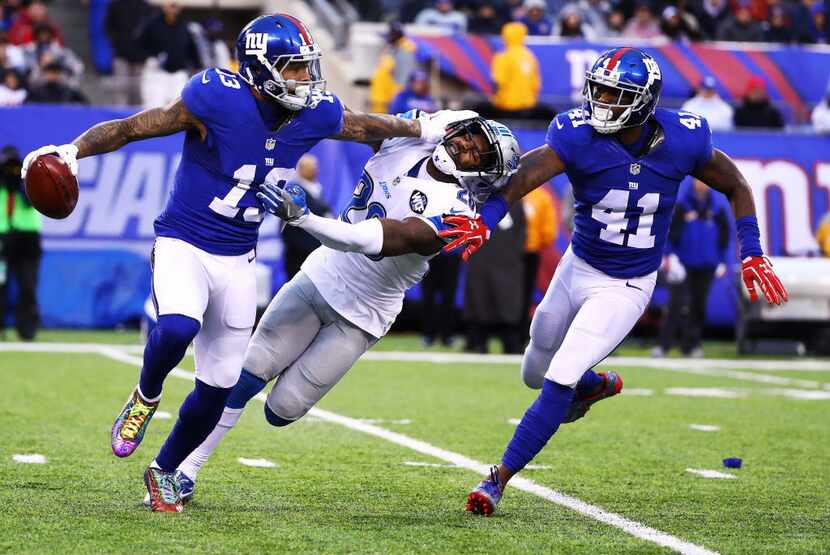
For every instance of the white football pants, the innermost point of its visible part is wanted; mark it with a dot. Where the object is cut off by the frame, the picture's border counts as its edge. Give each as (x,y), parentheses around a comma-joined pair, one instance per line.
(217,291)
(584,316)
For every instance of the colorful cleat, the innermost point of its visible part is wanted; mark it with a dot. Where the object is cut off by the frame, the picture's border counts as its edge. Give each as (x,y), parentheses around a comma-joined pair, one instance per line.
(486,495)
(128,429)
(163,489)
(612,384)
(186,487)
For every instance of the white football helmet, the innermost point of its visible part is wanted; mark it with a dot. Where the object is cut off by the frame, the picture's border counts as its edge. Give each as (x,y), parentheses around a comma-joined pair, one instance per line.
(497,163)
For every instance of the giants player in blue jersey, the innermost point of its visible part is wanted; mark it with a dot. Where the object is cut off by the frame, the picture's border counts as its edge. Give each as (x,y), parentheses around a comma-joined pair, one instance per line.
(240,129)
(625,159)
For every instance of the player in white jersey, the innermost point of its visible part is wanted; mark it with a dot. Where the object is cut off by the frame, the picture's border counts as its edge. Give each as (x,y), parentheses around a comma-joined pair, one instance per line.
(350,290)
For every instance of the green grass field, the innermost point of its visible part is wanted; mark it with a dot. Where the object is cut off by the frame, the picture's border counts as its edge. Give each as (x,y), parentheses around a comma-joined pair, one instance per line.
(336,489)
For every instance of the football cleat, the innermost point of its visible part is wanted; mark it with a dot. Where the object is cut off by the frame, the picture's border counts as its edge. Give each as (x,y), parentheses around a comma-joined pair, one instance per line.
(163,489)
(612,384)
(128,429)
(186,487)
(486,495)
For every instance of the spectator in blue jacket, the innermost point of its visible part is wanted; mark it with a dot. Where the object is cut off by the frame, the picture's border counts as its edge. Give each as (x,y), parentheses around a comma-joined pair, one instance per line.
(699,236)
(415,95)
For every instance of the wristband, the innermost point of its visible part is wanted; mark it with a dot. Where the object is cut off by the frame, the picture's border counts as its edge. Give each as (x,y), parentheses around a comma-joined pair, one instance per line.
(493,210)
(749,237)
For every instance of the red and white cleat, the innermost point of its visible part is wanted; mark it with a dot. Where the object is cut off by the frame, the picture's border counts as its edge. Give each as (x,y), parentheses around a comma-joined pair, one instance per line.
(612,384)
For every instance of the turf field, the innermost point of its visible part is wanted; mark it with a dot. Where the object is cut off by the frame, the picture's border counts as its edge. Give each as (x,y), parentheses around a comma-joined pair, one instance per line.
(385,465)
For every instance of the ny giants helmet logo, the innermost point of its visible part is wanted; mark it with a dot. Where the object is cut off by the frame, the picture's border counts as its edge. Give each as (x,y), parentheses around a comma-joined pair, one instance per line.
(256,43)
(653,70)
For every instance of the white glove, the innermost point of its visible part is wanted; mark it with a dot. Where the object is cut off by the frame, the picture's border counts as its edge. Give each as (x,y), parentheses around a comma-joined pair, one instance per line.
(67,153)
(675,271)
(435,125)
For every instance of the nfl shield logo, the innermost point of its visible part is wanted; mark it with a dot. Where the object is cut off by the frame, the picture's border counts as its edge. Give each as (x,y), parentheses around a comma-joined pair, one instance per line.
(635,169)
(270,143)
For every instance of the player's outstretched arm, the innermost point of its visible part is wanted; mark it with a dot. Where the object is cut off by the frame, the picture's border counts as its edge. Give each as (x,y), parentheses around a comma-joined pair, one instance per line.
(536,167)
(374,236)
(721,174)
(155,122)
(373,128)
(411,235)
(112,135)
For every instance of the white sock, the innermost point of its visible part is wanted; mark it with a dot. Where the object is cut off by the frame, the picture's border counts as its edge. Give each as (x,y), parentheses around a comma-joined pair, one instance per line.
(147,399)
(195,460)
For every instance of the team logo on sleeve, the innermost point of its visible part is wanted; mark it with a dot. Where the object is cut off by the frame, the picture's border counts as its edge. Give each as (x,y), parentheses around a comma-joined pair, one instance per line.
(418,202)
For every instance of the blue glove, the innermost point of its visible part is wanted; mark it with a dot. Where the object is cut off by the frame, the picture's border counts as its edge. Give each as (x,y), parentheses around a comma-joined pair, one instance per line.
(287,203)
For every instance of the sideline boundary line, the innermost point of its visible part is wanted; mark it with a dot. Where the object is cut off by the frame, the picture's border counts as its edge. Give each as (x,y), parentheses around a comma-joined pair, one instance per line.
(631,527)
(718,368)
(782,365)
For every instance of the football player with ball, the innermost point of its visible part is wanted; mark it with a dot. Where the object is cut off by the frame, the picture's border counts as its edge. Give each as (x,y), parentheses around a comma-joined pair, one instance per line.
(241,129)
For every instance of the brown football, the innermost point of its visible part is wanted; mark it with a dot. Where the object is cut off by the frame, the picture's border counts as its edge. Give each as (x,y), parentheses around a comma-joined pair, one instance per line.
(51,187)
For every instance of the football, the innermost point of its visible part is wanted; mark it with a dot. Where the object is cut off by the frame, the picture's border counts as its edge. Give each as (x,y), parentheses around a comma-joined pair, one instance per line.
(51,187)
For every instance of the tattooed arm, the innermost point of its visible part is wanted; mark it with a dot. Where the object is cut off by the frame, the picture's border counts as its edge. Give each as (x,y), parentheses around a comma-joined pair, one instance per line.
(155,122)
(373,128)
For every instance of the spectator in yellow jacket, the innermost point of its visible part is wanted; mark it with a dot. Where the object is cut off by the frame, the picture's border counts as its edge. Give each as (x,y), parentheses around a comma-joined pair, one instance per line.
(542,227)
(395,66)
(515,72)
(823,235)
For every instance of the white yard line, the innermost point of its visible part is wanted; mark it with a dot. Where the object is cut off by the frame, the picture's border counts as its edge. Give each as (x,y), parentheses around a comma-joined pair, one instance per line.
(783,365)
(704,427)
(32,458)
(633,528)
(257,463)
(716,392)
(710,473)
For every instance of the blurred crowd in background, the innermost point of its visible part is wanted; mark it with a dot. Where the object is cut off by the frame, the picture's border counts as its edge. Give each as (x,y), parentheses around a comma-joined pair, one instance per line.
(398,83)
(154,52)
(783,21)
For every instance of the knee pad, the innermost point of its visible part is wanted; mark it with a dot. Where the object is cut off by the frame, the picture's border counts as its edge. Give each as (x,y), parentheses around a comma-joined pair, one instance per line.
(535,364)
(178,330)
(274,419)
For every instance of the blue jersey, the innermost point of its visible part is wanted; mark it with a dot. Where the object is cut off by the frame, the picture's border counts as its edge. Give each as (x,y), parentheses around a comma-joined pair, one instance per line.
(213,204)
(623,203)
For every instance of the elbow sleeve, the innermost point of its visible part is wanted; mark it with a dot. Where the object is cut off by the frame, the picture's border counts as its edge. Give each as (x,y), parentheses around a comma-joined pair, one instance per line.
(365,237)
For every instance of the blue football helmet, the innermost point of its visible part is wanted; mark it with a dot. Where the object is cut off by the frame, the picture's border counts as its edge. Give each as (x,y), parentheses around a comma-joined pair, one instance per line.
(635,78)
(264,48)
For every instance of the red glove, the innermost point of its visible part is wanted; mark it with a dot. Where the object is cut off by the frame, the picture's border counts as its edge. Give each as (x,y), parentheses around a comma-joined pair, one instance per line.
(465,232)
(759,268)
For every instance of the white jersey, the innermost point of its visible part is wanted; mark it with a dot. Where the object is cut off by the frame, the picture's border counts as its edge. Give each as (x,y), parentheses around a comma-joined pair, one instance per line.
(368,290)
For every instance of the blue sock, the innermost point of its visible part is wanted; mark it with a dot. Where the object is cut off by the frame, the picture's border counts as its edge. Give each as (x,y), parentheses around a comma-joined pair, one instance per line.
(589,383)
(244,390)
(166,345)
(538,425)
(198,416)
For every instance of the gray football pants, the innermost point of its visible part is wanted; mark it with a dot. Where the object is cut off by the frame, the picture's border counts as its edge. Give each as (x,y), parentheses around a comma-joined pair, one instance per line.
(306,345)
